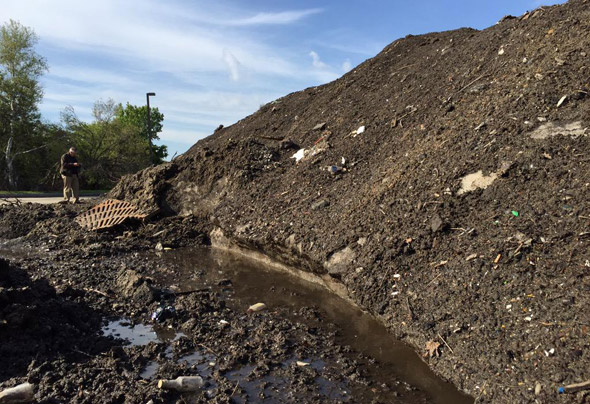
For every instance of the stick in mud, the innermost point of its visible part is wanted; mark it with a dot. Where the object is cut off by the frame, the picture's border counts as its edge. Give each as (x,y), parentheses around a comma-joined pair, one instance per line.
(23,393)
(572,388)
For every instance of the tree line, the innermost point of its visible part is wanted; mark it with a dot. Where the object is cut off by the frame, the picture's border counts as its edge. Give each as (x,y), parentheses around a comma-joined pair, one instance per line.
(116,142)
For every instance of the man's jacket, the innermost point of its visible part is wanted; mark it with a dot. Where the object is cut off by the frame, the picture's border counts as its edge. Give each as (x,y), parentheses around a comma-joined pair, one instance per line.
(67,165)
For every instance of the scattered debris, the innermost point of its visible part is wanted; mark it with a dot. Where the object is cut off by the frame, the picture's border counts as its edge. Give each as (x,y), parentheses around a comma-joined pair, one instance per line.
(182,383)
(320,126)
(303,364)
(23,393)
(561,101)
(256,307)
(550,129)
(572,388)
(432,349)
(109,213)
(163,313)
(299,155)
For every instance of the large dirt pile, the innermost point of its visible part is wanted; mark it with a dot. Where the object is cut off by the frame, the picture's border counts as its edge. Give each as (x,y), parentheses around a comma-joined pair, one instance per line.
(460,214)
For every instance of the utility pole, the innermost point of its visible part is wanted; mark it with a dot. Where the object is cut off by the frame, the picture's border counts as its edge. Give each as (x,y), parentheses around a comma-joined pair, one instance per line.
(149,125)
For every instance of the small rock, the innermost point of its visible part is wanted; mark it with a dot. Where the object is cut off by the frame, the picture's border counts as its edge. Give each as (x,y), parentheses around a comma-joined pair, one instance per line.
(537,388)
(501,51)
(436,223)
(159,247)
(320,204)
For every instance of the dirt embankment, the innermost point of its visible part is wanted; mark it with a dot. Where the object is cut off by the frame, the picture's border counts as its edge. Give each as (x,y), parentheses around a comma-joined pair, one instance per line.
(460,212)
(444,182)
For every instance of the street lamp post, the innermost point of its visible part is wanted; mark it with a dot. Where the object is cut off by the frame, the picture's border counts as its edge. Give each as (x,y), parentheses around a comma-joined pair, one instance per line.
(149,125)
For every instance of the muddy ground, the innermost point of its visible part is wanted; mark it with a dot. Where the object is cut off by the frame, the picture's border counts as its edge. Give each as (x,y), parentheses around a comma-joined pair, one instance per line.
(60,287)
(459,216)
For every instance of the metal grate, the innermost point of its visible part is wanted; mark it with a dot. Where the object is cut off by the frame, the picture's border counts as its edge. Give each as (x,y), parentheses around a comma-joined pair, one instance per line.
(109,213)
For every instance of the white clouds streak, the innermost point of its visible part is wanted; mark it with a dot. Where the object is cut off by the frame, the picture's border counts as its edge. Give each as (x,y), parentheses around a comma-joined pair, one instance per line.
(233,65)
(182,50)
(285,17)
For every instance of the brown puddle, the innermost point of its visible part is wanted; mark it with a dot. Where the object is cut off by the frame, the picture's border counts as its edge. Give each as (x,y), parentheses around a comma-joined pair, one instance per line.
(251,282)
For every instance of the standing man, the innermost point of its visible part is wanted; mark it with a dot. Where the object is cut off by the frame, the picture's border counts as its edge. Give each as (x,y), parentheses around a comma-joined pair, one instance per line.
(69,172)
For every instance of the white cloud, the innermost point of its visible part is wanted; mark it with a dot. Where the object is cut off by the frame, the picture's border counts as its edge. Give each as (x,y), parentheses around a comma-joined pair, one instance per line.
(182,50)
(233,65)
(285,17)
(346,66)
(316,62)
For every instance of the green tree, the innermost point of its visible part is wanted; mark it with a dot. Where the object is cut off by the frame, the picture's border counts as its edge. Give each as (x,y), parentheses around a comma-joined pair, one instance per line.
(20,93)
(109,147)
(137,116)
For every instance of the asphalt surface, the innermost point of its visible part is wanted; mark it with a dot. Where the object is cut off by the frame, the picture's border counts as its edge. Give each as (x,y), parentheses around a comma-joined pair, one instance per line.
(43,200)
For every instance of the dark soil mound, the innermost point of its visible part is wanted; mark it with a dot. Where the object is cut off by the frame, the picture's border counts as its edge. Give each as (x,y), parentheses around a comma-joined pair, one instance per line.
(495,263)
(444,182)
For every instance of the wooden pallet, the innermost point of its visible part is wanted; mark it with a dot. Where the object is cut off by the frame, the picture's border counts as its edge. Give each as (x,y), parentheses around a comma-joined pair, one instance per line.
(109,213)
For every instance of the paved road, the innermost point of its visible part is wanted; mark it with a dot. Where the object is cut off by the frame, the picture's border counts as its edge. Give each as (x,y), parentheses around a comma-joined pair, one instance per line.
(43,200)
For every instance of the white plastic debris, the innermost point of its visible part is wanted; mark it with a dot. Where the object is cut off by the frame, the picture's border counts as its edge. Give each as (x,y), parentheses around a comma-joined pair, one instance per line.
(501,51)
(300,363)
(299,155)
(561,100)
(256,307)
(360,130)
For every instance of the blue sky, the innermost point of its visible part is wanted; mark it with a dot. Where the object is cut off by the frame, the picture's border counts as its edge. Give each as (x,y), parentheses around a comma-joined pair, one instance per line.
(215,62)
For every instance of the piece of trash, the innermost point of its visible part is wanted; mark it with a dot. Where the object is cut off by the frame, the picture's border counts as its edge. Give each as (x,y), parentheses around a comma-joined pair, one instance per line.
(432,349)
(335,169)
(182,383)
(394,293)
(298,155)
(572,388)
(223,322)
(397,276)
(515,213)
(497,258)
(528,318)
(109,213)
(550,352)
(561,100)
(163,313)
(360,130)
(301,364)
(167,248)
(537,388)
(320,126)
(211,364)
(501,51)
(508,306)
(471,257)
(159,247)
(256,307)
(23,393)
(343,161)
